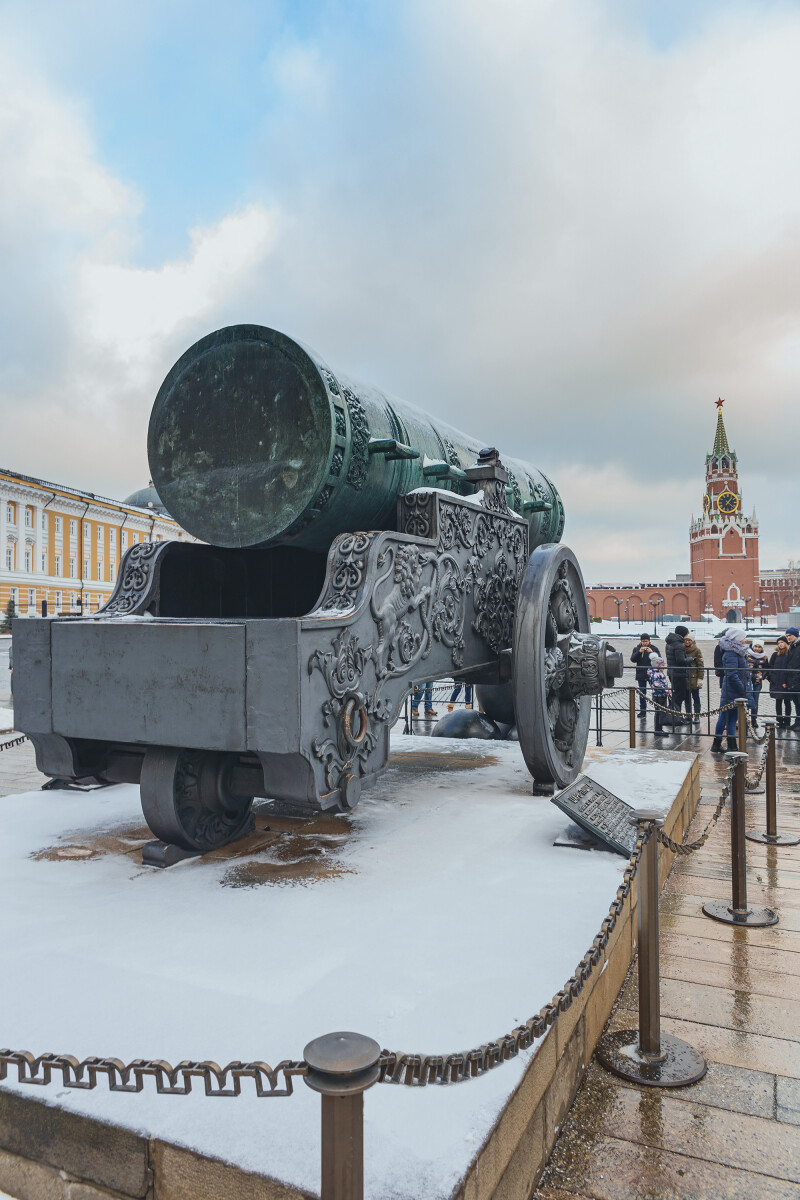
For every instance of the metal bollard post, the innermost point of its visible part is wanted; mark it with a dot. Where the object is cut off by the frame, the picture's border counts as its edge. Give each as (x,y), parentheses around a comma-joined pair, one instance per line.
(741,724)
(770,835)
(341,1066)
(632,694)
(648,1056)
(738,912)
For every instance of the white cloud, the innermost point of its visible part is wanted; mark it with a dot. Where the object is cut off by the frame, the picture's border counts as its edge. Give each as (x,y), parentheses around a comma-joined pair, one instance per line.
(135,315)
(521,216)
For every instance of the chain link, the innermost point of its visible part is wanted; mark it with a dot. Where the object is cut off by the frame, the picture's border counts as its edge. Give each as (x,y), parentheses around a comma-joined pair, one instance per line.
(417,1070)
(750,785)
(760,740)
(170,1081)
(712,712)
(686,848)
(14,742)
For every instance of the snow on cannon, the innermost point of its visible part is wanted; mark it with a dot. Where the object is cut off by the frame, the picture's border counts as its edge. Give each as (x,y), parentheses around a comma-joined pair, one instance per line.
(352,546)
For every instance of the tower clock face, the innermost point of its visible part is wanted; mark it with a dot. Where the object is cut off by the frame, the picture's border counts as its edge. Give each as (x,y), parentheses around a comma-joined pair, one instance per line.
(706,502)
(727,502)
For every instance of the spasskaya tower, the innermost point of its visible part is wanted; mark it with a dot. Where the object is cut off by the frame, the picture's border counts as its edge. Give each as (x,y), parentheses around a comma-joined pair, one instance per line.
(723,541)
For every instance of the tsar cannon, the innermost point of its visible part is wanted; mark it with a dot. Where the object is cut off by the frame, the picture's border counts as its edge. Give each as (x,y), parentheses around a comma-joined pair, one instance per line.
(349,546)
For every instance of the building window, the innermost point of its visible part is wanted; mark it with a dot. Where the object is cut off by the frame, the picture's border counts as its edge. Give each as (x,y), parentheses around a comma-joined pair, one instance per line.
(58,524)
(14,596)
(44,521)
(87,532)
(10,558)
(112,537)
(99,535)
(10,513)
(73,600)
(73,571)
(100,600)
(100,572)
(73,529)
(86,571)
(111,573)
(28,518)
(28,561)
(59,601)
(44,564)
(124,539)
(32,599)
(58,565)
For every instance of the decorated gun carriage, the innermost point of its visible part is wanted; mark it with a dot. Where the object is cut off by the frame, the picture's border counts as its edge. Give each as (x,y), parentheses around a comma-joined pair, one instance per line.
(349,546)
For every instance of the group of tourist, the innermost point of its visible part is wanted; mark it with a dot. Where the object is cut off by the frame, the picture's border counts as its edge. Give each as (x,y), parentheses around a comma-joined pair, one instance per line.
(741,667)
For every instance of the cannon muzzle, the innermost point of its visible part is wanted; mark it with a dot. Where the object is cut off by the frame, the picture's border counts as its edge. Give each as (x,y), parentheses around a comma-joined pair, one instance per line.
(255,441)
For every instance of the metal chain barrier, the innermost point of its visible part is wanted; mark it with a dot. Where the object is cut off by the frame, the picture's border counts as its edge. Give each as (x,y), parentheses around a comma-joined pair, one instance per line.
(750,785)
(170,1081)
(417,1070)
(14,742)
(752,729)
(686,848)
(712,712)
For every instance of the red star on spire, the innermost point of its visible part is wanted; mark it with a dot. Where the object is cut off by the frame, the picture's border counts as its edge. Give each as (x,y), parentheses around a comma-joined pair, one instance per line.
(719,403)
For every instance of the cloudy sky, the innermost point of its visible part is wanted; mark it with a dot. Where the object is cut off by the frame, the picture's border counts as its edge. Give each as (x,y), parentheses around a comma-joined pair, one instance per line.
(565,226)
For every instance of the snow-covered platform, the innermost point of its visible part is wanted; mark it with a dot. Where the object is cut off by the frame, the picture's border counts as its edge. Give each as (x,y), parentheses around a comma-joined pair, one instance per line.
(435,917)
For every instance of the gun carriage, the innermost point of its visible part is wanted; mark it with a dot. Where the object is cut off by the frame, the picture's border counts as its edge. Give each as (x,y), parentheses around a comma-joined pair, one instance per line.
(351,545)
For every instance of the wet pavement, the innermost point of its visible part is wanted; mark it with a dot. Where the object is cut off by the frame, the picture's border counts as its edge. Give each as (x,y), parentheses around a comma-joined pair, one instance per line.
(734,994)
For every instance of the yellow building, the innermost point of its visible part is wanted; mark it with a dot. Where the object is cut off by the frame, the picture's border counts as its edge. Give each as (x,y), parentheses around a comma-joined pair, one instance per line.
(62,546)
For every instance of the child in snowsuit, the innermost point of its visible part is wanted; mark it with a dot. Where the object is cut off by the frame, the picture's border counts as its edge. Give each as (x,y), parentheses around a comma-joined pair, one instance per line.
(662,694)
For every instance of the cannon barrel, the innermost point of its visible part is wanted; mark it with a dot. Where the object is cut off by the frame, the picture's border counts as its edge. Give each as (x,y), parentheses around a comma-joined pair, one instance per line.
(255,441)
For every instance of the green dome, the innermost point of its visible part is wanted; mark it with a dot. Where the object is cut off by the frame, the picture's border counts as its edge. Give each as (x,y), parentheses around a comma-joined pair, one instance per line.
(147,498)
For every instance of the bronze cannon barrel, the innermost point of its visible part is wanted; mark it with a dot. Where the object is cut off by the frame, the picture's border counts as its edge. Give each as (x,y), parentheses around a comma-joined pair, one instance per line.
(255,441)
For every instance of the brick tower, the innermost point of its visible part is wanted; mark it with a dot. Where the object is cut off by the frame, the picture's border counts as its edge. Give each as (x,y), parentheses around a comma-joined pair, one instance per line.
(723,541)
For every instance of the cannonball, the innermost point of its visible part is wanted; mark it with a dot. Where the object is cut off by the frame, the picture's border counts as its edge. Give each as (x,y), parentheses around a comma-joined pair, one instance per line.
(466,723)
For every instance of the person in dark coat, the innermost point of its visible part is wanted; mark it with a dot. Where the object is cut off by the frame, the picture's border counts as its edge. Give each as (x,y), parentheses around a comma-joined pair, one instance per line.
(642,656)
(734,685)
(776,673)
(793,667)
(678,665)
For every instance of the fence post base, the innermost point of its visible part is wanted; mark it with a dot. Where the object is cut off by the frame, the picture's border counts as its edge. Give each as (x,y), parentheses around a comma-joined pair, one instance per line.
(774,839)
(678,1065)
(738,911)
(770,835)
(755,915)
(341,1066)
(646,1055)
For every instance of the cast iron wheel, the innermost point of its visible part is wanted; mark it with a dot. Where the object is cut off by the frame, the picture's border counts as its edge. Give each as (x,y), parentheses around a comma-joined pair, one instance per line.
(558,665)
(187,800)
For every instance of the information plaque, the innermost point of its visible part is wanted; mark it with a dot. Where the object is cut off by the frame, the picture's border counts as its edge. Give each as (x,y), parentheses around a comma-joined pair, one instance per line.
(599,812)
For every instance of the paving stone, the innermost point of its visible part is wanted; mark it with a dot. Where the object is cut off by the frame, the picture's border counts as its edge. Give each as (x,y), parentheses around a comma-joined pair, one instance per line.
(738,1009)
(771,937)
(729,975)
(619,1170)
(787,1096)
(740,953)
(672,1121)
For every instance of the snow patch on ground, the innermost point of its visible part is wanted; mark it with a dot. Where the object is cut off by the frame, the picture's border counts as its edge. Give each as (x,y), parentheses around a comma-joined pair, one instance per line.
(432,943)
(6,720)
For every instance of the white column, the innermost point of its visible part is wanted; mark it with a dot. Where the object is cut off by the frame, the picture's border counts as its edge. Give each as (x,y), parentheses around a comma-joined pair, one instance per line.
(3,532)
(37,541)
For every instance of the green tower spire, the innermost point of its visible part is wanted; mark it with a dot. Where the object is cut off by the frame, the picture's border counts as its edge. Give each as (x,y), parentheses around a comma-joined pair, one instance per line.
(720,438)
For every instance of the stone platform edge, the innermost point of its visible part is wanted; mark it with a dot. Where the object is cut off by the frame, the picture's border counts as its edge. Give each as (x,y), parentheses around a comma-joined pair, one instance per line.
(48,1153)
